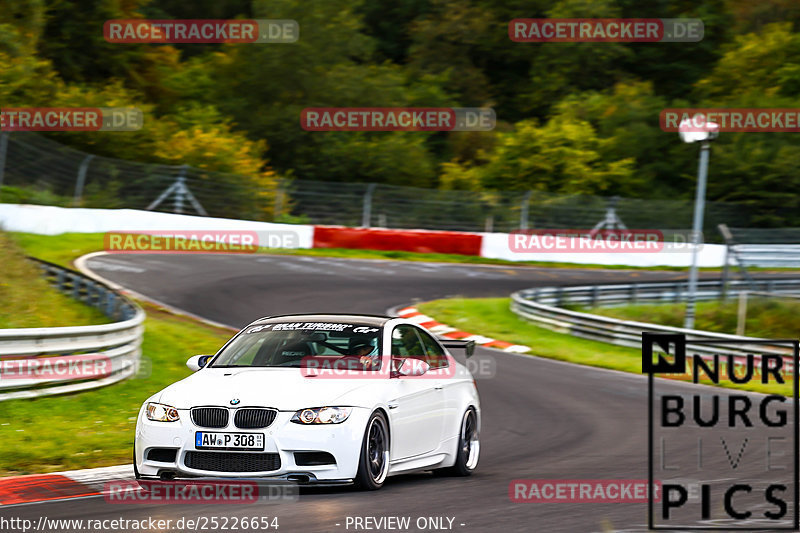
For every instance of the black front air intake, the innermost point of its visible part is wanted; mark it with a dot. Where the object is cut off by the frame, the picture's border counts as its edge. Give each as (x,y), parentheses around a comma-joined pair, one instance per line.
(162,455)
(313,459)
(233,462)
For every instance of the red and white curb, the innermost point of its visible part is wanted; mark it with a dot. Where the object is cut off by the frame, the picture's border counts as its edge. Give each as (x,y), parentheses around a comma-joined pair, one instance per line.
(61,485)
(443,330)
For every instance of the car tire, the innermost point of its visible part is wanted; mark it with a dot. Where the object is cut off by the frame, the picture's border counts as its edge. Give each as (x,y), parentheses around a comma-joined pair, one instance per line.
(468,445)
(373,464)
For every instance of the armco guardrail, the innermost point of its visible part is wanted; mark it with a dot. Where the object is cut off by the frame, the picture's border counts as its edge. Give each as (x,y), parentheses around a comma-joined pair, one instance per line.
(117,345)
(763,247)
(545,307)
(768,255)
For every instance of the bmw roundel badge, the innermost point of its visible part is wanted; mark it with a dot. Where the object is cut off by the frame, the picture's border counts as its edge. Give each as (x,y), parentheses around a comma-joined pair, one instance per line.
(235,401)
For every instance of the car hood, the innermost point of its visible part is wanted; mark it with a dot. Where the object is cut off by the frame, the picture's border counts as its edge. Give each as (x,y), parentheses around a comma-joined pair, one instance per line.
(286,389)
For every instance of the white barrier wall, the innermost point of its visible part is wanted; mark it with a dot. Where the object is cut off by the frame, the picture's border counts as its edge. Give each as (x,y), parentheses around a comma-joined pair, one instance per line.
(50,220)
(496,246)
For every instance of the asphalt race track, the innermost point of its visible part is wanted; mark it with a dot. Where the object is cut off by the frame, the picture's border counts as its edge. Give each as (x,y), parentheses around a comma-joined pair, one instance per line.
(541,419)
(236,289)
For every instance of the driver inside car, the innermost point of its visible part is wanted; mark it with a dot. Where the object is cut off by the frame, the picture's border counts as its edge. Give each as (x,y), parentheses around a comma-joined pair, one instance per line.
(367,355)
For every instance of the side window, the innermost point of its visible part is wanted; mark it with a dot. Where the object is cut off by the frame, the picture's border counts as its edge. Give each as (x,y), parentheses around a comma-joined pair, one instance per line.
(434,353)
(406,343)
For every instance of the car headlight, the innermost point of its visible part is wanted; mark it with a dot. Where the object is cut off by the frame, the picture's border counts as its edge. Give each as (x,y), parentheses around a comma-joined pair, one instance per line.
(158,412)
(322,415)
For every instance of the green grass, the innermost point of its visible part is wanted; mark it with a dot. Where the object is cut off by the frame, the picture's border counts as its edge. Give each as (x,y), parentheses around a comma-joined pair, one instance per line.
(96,428)
(766,317)
(59,249)
(28,301)
(492,317)
(93,428)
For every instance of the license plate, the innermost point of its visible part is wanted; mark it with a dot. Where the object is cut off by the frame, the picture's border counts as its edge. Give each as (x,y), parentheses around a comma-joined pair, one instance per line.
(229,441)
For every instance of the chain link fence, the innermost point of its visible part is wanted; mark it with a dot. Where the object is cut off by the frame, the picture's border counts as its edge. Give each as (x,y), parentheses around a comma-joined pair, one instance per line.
(38,170)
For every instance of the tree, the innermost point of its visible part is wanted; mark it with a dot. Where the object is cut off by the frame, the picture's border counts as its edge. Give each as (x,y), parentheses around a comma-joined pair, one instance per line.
(266,87)
(760,64)
(564,155)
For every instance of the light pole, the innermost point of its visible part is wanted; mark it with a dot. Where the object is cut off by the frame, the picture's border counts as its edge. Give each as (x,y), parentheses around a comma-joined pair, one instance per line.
(693,130)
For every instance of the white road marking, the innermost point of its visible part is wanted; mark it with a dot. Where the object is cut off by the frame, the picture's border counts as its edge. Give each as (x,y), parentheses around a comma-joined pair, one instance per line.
(116,267)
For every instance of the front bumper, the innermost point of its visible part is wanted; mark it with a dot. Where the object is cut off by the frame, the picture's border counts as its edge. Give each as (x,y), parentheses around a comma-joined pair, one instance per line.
(283,438)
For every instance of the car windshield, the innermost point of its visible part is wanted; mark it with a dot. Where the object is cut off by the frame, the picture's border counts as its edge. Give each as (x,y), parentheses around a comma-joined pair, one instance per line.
(299,344)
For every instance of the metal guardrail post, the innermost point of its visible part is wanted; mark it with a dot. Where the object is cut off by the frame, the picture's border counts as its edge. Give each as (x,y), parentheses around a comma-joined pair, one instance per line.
(76,287)
(84,168)
(366,212)
(278,203)
(731,249)
(109,305)
(524,210)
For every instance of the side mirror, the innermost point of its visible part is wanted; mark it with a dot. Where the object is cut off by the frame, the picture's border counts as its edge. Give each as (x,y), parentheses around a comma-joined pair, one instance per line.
(413,367)
(467,346)
(197,362)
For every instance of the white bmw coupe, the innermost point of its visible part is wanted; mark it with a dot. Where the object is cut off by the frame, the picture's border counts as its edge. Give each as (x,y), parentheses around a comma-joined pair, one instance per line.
(317,399)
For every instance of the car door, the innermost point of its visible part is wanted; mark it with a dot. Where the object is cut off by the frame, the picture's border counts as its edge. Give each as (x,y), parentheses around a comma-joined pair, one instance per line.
(443,368)
(417,404)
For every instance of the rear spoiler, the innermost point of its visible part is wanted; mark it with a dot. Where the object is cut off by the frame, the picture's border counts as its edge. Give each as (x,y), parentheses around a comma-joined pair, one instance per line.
(467,346)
